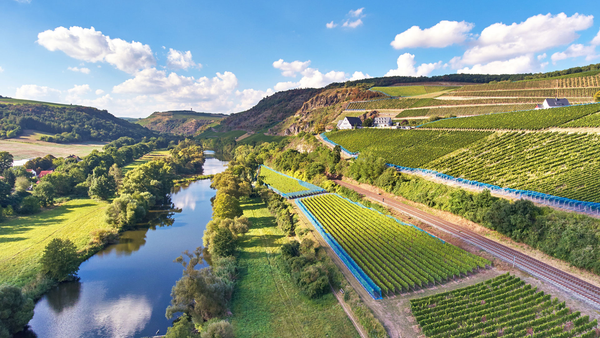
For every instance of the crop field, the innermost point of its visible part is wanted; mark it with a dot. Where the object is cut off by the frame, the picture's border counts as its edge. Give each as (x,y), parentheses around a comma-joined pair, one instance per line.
(410,90)
(592,120)
(409,148)
(541,93)
(154,155)
(396,256)
(404,103)
(523,120)
(503,306)
(461,111)
(564,82)
(280,182)
(560,164)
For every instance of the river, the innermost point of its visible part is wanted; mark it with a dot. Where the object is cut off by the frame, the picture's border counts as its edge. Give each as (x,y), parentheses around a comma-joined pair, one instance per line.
(124,290)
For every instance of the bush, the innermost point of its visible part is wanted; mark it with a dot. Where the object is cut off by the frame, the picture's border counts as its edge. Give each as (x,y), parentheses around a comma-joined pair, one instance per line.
(220,329)
(15,310)
(60,260)
(29,205)
(183,327)
(44,192)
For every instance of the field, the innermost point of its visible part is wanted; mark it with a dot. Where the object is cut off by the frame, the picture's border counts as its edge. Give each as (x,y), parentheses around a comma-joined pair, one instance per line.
(413,148)
(23,239)
(266,302)
(576,81)
(468,110)
(154,155)
(503,306)
(592,120)
(288,186)
(541,93)
(181,115)
(404,103)
(530,119)
(396,256)
(18,101)
(28,146)
(410,90)
(560,164)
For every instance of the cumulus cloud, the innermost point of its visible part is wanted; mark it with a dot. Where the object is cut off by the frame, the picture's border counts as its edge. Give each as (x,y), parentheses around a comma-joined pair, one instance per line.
(90,45)
(356,13)
(575,50)
(596,40)
(352,24)
(99,91)
(331,25)
(180,60)
(500,42)
(406,67)
(290,69)
(81,70)
(313,78)
(359,76)
(541,57)
(282,86)
(520,64)
(247,98)
(443,34)
(35,92)
(1,69)
(353,19)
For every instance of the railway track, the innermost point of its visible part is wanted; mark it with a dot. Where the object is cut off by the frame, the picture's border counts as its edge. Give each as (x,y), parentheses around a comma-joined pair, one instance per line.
(566,282)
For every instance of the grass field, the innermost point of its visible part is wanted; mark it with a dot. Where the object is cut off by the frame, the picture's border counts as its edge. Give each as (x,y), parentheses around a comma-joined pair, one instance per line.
(23,239)
(28,146)
(410,90)
(266,302)
(413,148)
(146,158)
(18,101)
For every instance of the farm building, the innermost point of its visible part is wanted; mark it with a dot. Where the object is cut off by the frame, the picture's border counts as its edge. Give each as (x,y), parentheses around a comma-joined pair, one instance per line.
(553,103)
(45,172)
(382,122)
(349,123)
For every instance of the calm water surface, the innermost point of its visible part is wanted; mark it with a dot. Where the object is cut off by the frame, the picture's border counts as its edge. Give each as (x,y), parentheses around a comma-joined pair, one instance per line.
(125,289)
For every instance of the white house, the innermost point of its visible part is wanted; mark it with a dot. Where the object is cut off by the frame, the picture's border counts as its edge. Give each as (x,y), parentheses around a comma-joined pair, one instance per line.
(349,123)
(553,103)
(382,122)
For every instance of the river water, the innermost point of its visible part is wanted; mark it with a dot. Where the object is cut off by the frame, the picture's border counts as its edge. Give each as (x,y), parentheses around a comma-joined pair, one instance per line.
(124,290)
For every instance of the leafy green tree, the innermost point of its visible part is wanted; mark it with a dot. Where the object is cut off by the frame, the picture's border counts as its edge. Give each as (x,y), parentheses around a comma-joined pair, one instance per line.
(226,206)
(368,122)
(16,310)
(22,183)
(6,160)
(182,328)
(44,192)
(60,260)
(102,187)
(220,329)
(127,209)
(4,192)
(223,243)
(9,177)
(116,173)
(30,205)
(337,153)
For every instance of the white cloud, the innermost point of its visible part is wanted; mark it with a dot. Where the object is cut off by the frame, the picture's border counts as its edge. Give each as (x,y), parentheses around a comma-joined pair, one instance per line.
(443,34)
(359,76)
(249,97)
(290,69)
(596,40)
(500,42)
(180,60)
(99,91)
(282,86)
(35,92)
(406,67)
(520,64)
(24,1)
(541,57)
(90,45)
(331,25)
(575,50)
(356,13)
(81,70)
(313,78)
(1,69)
(75,93)
(352,24)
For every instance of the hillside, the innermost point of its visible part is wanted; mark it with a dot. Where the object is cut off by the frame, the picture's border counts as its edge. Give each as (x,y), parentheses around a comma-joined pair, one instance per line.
(181,122)
(68,123)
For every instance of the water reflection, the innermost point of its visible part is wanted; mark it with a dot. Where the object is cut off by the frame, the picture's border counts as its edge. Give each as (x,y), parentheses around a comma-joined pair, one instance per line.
(64,297)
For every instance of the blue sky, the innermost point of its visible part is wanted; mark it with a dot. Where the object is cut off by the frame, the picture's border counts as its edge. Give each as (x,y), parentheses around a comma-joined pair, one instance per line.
(135,57)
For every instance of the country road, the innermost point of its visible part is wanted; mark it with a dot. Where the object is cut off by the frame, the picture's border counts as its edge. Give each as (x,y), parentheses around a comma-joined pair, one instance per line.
(564,281)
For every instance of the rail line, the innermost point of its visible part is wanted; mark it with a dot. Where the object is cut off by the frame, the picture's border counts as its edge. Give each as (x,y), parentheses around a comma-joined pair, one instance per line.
(566,282)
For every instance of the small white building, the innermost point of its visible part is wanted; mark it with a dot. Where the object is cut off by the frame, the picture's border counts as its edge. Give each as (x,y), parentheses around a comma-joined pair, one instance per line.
(553,103)
(382,122)
(349,123)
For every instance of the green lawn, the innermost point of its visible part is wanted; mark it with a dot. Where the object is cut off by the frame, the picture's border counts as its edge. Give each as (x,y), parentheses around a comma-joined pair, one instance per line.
(23,239)
(266,302)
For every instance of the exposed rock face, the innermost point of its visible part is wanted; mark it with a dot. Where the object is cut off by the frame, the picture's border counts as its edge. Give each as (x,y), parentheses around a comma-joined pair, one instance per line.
(334,96)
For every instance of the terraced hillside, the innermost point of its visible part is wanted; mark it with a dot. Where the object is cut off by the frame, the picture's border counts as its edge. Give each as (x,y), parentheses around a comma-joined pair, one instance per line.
(179,122)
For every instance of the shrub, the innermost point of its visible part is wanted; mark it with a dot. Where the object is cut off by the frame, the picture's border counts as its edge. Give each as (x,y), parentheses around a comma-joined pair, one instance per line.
(29,205)
(15,310)
(60,260)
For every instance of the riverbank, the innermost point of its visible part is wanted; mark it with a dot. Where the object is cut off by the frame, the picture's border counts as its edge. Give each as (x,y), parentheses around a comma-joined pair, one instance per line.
(266,302)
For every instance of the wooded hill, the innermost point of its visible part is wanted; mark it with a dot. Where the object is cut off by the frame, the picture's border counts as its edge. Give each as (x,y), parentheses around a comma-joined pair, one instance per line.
(181,122)
(68,123)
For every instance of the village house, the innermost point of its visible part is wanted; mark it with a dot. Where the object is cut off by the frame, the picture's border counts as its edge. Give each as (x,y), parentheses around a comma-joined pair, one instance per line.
(349,123)
(382,122)
(553,103)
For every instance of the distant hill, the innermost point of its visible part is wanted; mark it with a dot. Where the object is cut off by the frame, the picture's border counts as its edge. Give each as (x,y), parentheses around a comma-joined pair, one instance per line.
(68,123)
(181,122)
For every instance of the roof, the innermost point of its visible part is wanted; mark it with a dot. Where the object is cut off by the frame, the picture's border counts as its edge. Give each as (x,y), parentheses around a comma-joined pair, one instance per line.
(45,172)
(355,121)
(557,102)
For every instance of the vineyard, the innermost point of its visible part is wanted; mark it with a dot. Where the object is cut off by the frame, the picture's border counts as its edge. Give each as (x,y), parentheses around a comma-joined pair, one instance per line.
(541,93)
(592,120)
(503,306)
(461,111)
(573,82)
(287,186)
(531,119)
(404,103)
(412,148)
(396,256)
(410,90)
(560,164)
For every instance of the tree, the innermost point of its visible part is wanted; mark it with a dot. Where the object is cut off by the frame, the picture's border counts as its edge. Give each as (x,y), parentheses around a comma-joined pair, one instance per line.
(182,328)
(220,329)
(22,183)
(116,174)
(337,154)
(597,97)
(102,187)
(16,310)
(30,205)
(44,192)
(60,260)
(6,160)
(222,243)
(226,206)
(368,122)
(9,177)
